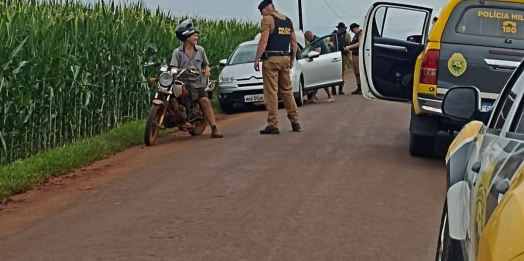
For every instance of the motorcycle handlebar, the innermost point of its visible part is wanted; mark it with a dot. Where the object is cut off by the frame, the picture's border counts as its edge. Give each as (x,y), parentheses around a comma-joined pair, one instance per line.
(153,64)
(196,72)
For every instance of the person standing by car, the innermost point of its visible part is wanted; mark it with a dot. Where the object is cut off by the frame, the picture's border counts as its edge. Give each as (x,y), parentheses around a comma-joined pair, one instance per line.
(321,47)
(355,44)
(276,35)
(339,43)
(331,40)
(192,56)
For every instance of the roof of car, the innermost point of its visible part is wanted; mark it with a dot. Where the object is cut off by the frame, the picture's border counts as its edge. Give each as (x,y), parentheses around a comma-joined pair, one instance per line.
(299,34)
(249,42)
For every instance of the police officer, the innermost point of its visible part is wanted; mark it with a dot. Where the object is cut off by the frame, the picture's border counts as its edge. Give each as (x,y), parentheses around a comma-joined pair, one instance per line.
(339,43)
(277,34)
(355,43)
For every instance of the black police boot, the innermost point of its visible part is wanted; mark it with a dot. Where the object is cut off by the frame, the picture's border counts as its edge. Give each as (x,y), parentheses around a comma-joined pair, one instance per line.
(269,130)
(295,127)
(358,90)
(334,90)
(340,91)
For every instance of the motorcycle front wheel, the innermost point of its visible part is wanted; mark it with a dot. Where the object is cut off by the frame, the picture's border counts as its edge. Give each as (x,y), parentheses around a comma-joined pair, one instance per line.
(200,126)
(152,124)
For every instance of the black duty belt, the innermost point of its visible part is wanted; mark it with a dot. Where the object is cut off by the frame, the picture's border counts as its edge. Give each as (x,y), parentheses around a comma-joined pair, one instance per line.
(276,53)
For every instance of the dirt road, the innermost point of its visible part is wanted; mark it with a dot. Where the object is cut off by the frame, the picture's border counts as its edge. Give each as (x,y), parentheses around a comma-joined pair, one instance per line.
(345,188)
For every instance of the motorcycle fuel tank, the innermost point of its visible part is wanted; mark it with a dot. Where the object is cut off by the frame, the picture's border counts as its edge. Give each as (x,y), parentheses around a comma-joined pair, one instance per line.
(179,90)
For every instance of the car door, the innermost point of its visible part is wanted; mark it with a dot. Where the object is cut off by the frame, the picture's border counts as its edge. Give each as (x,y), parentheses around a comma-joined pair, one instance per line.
(393,37)
(321,71)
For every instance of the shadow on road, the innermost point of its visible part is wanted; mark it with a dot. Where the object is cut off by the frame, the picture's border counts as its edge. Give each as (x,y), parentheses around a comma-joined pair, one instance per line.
(442,143)
(241,108)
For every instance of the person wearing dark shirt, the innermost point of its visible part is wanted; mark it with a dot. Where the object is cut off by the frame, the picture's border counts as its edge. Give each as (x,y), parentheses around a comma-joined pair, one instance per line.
(354,48)
(276,46)
(321,47)
(339,42)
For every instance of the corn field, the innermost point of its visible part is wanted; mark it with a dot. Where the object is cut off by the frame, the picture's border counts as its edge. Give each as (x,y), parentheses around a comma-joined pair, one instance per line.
(72,70)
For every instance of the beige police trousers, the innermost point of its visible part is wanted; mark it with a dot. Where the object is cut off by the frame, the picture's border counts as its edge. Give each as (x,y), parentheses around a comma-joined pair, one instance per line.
(277,82)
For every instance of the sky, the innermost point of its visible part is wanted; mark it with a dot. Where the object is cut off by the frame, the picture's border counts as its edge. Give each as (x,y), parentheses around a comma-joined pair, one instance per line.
(319,16)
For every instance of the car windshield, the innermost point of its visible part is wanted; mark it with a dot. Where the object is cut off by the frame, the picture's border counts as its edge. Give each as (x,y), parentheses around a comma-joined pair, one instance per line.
(244,54)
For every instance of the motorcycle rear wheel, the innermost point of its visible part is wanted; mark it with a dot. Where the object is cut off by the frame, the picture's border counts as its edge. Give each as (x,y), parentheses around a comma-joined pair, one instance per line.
(152,125)
(200,126)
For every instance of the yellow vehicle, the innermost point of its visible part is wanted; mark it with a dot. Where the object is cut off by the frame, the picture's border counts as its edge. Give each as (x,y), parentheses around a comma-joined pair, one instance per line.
(473,43)
(483,213)
(466,73)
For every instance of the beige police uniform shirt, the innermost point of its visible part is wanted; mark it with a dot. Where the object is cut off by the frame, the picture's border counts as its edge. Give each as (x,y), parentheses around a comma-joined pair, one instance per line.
(268,22)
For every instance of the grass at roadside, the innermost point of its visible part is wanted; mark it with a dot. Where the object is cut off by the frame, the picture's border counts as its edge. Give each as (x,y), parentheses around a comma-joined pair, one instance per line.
(22,175)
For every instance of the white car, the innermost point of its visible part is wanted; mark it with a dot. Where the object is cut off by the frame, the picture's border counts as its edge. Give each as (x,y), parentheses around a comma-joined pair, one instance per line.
(240,83)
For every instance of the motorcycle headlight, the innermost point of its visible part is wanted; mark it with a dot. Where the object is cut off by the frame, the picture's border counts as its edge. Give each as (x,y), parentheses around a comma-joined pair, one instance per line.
(226,78)
(165,79)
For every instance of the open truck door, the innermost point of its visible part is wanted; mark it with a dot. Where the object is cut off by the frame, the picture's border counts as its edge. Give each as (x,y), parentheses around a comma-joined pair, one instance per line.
(393,39)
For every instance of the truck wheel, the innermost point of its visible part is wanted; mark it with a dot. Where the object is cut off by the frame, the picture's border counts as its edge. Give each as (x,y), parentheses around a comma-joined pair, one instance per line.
(421,146)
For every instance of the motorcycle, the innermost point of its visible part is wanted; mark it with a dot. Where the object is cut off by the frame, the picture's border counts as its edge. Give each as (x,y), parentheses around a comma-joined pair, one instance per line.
(172,105)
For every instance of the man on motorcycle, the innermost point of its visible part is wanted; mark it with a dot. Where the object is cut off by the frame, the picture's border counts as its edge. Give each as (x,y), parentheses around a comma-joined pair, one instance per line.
(192,56)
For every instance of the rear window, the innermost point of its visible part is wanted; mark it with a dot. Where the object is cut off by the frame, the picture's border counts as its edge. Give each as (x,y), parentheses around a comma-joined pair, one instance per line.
(492,22)
(243,54)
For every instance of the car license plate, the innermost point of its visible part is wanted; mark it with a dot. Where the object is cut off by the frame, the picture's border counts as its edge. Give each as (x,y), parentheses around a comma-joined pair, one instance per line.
(254,98)
(486,105)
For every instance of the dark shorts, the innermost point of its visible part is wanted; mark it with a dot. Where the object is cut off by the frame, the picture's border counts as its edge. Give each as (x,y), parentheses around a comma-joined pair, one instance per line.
(197,93)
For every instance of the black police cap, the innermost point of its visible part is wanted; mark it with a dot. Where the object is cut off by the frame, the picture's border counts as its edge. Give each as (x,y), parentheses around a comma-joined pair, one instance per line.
(264,3)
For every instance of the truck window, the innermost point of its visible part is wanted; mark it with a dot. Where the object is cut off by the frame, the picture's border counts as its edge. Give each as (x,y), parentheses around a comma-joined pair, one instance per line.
(492,22)
(398,23)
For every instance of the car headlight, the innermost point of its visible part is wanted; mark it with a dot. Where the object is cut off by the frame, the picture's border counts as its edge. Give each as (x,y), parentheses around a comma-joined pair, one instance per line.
(226,78)
(165,79)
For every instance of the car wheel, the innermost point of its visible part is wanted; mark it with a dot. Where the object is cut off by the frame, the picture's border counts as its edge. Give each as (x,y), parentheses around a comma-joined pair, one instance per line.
(226,108)
(299,99)
(421,146)
(448,249)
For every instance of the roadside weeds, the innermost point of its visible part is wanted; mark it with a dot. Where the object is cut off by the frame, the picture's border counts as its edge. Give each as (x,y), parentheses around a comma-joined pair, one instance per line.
(23,175)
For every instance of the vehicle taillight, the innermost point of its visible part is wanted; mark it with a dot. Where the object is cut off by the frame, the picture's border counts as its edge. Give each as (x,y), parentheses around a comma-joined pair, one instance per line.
(428,72)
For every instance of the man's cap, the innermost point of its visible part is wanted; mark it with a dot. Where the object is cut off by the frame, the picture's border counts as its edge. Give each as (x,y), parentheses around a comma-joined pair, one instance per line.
(353,26)
(264,3)
(341,25)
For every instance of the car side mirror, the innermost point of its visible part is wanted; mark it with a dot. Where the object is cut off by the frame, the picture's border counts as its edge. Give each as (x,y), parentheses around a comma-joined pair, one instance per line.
(461,102)
(414,38)
(151,50)
(223,62)
(313,54)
